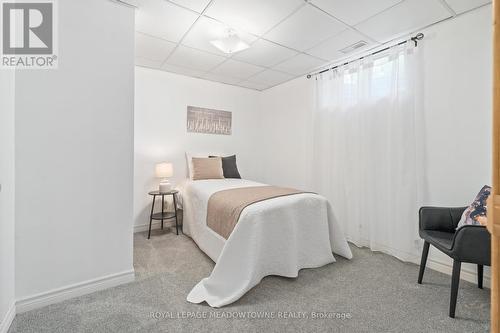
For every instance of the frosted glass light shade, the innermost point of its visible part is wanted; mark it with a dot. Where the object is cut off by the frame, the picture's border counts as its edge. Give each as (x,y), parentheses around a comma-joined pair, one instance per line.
(230,43)
(164,170)
(229,46)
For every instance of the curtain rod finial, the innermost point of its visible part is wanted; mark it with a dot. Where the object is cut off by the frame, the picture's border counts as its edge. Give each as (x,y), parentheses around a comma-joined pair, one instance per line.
(417,37)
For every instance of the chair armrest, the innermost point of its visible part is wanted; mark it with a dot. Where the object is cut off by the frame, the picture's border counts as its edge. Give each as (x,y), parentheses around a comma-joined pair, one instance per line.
(472,243)
(440,218)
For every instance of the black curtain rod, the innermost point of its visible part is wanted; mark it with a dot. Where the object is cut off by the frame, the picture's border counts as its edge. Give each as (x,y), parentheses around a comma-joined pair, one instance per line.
(414,39)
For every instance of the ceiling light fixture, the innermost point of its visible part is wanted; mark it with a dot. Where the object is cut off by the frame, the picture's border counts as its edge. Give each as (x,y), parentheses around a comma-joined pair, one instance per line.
(230,43)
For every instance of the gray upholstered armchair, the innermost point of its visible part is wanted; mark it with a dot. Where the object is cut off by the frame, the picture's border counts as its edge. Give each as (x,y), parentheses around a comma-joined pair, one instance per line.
(470,243)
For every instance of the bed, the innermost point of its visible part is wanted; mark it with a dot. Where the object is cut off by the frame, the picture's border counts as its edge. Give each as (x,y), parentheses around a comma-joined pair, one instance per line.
(278,236)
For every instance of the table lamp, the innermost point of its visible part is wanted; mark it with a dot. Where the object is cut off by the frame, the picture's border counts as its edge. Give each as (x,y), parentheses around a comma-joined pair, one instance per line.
(164,171)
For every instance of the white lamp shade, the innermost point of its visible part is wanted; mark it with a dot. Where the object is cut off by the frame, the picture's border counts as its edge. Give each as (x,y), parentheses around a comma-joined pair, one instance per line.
(164,170)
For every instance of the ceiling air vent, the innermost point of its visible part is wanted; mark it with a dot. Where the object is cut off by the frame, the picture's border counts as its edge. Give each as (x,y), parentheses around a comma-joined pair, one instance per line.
(353,47)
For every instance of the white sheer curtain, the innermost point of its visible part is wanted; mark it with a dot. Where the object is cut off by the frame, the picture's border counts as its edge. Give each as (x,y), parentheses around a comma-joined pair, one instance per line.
(367,152)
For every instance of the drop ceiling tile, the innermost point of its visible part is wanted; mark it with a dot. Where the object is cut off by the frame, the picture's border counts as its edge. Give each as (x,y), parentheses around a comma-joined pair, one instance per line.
(206,30)
(162,19)
(270,77)
(299,64)
(133,3)
(181,70)
(194,59)
(305,28)
(147,63)
(152,48)
(354,11)
(253,85)
(220,78)
(330,49)
(196,5)
(264,53)
(237,69)
(405,17)
(255,16)
(460,6)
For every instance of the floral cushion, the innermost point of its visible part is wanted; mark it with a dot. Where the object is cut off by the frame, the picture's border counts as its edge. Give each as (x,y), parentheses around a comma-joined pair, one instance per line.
(475,214)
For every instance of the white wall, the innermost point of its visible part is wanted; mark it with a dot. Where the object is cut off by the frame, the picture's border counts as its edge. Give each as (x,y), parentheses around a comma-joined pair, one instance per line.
(458,103)
(458,93)
(161,101)
(74,156)
(7,196)
(287,126)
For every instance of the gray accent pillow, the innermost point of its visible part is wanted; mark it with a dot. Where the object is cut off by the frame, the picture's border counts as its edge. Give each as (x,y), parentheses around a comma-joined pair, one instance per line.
(229,167)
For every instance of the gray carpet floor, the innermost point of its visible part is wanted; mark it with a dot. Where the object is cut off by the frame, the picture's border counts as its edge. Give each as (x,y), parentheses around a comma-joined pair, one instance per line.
(371,293)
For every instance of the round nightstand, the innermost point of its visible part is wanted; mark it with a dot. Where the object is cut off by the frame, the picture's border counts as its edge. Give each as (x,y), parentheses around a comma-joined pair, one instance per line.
(163,215)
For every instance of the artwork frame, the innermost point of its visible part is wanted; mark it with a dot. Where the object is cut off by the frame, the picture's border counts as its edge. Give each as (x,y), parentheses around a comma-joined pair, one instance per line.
(208,121)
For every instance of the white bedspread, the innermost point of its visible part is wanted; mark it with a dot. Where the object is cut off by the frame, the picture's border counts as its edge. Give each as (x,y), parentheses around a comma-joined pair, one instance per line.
(279,236)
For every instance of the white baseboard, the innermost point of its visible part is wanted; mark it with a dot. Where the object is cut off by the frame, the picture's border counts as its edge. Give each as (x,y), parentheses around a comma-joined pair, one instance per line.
(7,320)
(154,225)
(74,290)
(466,274)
